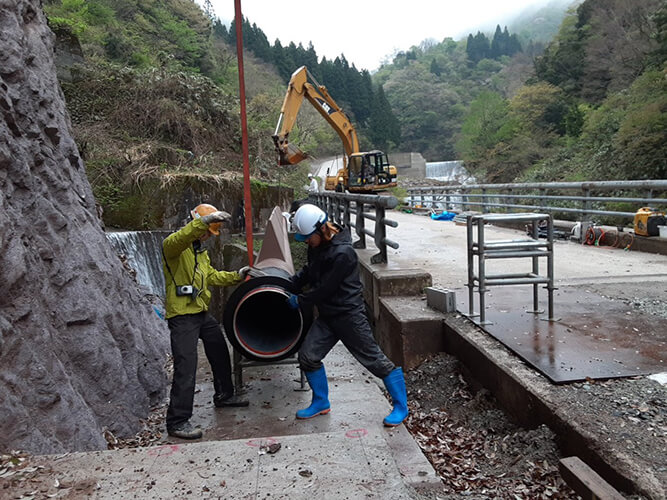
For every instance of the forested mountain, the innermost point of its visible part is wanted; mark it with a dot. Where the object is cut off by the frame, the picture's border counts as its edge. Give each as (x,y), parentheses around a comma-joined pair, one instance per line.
(595,109)
(156,94)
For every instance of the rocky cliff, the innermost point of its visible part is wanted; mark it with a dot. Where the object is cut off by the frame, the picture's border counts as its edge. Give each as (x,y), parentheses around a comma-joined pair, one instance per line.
(80,349)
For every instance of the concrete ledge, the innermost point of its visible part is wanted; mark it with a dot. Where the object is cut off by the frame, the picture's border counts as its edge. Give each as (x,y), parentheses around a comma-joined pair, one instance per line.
(384,281)
(407,330)
(416,470)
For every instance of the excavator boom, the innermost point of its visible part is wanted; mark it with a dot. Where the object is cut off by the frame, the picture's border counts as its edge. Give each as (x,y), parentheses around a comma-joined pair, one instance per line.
(299,87)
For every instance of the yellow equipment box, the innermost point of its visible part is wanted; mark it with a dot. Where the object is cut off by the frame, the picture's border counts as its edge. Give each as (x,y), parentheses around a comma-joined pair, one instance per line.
(647,221)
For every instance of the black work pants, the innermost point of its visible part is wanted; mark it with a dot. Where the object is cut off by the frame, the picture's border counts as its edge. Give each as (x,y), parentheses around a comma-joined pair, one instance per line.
(186,330)
(354,331)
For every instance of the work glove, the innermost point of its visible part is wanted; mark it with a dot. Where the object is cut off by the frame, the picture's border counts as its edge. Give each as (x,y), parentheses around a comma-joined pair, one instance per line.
(293,301)
(243,272)
(218,216)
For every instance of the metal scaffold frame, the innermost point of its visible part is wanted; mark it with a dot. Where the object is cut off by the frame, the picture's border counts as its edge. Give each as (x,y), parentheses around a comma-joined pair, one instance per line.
(532,248)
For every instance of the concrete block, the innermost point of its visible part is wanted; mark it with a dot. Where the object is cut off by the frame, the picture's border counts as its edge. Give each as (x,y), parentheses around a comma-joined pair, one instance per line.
(441,299)
(408,282)
(380,281)
(408,331)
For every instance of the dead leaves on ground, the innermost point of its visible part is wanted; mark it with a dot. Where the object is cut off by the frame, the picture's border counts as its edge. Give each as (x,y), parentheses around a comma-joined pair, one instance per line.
(476,462)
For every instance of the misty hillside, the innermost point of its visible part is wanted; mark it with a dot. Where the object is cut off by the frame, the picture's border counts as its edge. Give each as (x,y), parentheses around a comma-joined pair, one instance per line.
(590,105)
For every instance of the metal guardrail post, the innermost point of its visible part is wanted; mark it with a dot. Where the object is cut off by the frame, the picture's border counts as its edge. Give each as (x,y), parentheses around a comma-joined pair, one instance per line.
(359,226)
(380,237)
(585,207)
(471,271)
(346,212)
(510,200)
(483,200)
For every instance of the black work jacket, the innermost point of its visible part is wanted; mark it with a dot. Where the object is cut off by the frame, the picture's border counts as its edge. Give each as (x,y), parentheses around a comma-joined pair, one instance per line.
(332,273)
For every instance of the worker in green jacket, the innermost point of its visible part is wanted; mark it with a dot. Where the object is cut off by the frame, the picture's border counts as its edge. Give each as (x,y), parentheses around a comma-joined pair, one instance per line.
(188,274)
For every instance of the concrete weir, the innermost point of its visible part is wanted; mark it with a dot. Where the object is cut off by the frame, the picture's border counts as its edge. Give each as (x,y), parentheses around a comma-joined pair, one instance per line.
(407,330)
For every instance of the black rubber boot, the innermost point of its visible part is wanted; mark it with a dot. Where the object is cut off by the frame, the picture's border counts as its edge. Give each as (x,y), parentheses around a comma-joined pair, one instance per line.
(185,431)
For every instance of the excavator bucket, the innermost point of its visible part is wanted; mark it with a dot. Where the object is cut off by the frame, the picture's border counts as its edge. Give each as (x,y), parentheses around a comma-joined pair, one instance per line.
(288,154)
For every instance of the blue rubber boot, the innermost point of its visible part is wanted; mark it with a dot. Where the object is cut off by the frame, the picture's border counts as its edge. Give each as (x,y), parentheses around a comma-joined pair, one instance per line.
(320,404)
(395,384)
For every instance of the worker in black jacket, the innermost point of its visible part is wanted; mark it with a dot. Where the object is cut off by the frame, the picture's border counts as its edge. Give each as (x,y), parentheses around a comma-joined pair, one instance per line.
(332,274)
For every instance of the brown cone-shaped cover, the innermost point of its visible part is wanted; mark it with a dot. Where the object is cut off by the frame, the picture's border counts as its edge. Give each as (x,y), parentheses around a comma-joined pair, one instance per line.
(275,250)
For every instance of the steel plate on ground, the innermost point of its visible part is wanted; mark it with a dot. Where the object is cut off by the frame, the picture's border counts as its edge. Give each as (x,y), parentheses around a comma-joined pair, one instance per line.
(594,337)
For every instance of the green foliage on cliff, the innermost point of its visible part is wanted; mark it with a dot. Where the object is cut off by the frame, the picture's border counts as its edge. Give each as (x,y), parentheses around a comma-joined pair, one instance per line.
(143,33)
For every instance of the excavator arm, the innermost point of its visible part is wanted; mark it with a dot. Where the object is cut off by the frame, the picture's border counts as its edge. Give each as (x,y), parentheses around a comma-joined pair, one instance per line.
(300,86)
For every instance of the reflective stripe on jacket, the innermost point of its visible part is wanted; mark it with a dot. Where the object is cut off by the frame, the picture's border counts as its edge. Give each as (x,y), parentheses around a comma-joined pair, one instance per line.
(179,253)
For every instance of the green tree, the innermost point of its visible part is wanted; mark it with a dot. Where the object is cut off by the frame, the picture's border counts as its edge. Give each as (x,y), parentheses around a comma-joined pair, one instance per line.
(478,47)
(435,69)
(498,44)
(541,106)
(385,132)
(486,124)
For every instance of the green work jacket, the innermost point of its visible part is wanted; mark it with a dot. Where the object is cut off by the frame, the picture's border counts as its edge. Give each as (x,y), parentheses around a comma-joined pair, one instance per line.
(179,254)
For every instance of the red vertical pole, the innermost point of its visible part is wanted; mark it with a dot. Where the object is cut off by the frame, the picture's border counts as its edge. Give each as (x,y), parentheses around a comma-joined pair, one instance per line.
(247,201)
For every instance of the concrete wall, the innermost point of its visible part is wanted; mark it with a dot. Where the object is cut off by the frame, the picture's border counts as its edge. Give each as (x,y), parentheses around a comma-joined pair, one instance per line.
(406,329)
(409,165)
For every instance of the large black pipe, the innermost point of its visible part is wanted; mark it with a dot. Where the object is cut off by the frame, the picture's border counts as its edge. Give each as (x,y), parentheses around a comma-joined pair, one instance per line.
(257,320)
(259,323)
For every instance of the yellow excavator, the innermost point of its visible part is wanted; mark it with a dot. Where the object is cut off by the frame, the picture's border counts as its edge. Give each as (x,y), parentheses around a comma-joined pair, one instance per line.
(362,172)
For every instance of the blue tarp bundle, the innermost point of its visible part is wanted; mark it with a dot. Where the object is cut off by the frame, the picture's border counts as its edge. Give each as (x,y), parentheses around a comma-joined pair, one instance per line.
(443,216)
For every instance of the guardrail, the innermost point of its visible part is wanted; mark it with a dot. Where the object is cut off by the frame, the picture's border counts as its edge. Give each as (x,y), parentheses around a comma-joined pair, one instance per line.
(341,207)
(583,199)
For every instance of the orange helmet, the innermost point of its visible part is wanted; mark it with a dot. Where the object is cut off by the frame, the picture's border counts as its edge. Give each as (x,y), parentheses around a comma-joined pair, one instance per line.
(206,209)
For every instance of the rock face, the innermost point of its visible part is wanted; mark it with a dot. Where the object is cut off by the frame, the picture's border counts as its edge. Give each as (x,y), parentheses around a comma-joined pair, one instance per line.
(80,349)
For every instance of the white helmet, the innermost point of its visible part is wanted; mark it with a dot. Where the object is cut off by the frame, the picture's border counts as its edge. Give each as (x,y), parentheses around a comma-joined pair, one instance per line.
(310,176)
(307,219)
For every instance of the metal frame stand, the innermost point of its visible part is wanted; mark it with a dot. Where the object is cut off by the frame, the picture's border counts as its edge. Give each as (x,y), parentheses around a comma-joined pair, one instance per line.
(240,363)
(531,248)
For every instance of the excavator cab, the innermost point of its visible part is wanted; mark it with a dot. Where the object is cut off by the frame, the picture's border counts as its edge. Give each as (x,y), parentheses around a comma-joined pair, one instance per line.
(367,171)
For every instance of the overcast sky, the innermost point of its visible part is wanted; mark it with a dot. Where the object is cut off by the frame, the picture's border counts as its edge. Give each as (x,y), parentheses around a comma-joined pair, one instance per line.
(368,31)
